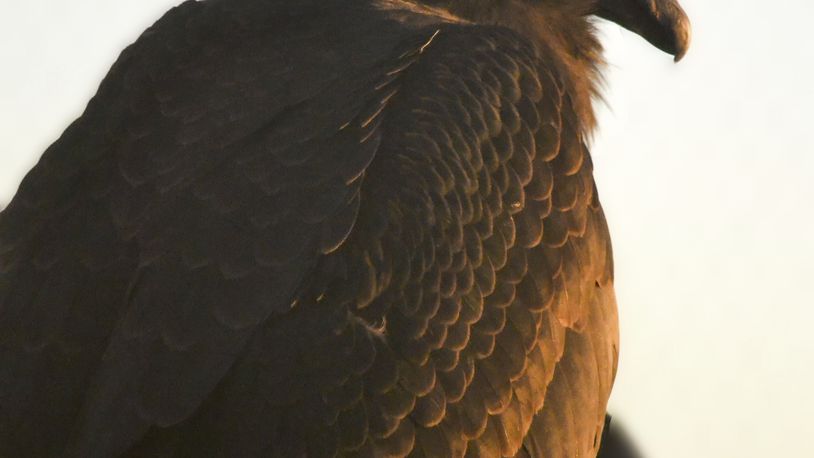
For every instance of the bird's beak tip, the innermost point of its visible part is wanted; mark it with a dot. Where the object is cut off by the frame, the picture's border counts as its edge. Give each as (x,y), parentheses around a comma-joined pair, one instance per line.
(683,37)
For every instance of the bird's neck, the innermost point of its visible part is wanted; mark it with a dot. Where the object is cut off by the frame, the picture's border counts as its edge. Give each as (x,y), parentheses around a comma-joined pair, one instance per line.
(569,36)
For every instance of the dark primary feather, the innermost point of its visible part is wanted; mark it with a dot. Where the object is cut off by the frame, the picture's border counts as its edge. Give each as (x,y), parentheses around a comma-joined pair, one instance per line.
(312,229)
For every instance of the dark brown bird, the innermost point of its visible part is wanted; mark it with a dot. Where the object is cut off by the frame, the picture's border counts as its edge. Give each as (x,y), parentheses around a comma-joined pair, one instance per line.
(322,228)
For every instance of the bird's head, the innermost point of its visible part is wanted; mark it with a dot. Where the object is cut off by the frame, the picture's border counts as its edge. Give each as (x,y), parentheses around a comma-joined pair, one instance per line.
(661,22)
(566,29)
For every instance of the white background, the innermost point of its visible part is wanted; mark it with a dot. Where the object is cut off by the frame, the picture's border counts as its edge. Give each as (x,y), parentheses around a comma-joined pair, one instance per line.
(705,170)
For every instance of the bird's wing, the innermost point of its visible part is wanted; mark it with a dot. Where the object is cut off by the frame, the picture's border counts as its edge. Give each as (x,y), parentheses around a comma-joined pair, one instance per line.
(471,309)
(220,158)
(504,310)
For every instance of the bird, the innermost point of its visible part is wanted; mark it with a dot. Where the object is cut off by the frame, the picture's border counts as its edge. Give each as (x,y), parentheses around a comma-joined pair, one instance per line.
(323,228)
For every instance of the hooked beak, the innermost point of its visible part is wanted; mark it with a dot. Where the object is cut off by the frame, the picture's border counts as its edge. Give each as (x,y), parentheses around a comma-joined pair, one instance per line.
(661,22)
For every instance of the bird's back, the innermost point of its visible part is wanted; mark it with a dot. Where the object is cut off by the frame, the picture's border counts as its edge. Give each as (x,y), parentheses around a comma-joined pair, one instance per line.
(314,228)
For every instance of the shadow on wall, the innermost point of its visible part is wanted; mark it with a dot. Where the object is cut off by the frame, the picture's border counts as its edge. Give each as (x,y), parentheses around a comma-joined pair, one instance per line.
(616,443)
